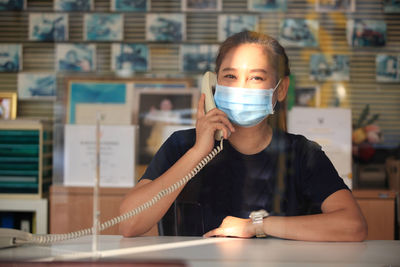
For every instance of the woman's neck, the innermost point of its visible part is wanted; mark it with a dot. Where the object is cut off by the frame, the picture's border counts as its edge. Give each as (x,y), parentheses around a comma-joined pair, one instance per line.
(251,140)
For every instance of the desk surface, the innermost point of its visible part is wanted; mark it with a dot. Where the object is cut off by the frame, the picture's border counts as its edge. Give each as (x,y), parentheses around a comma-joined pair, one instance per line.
(217,251)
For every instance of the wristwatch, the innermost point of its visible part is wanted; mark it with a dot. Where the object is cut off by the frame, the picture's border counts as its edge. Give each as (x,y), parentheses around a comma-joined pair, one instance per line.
(257,217)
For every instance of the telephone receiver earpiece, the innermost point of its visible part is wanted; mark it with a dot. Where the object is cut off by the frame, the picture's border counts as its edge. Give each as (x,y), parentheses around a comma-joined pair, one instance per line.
(208,82)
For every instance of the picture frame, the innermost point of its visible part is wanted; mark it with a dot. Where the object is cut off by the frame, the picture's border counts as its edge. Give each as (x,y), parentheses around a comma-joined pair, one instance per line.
(335,5)
(166,27)
(388,68)
(10,57)
(103,27)
(129,57)
(197,58)
(366,33)
(298,32)
(201,5)
(391,6)
(73,5)
(48,27)
(229,24)
(37,86)
(307,96)
(76,57)
(8,105)
(12,5)
(267,6)
(328,67)
(130,5)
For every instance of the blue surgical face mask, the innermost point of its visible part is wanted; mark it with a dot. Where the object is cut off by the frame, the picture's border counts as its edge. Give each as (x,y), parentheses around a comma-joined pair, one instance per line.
(243,106)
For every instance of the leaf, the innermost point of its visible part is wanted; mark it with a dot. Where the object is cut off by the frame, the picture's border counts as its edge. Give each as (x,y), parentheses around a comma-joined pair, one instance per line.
(363,116)
(373,119)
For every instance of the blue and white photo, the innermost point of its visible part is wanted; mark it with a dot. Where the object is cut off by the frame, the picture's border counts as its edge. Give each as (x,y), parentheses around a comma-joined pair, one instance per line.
(129,57)
(166,27)
(103,27)
(12,5)
(201,5)
(267,5)
(10,57)
(299,33)
(76,57)
(73,5)
(198,58)
(387,68)
(329,67)
(366,33)
(48,27)
(130,5)
(391,6)
(335,5)
(36,86)
(231,24)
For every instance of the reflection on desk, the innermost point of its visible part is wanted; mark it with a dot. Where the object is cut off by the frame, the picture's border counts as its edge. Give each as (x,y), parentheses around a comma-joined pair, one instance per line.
(197,251)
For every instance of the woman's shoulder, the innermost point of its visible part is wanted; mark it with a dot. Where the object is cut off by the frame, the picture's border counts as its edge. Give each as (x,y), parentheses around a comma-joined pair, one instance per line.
(297,141)
(183,138)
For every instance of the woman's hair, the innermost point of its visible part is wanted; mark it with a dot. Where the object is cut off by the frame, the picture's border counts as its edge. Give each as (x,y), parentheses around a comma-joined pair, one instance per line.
(272,47)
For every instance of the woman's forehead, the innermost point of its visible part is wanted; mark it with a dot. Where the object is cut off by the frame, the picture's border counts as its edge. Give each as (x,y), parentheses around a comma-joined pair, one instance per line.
(246,56)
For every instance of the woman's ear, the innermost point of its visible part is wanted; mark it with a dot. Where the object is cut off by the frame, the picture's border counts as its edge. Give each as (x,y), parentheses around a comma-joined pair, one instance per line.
(283,88)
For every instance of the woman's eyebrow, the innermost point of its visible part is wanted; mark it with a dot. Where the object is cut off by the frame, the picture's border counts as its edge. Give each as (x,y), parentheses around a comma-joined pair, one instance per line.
(259,70)
(229,69)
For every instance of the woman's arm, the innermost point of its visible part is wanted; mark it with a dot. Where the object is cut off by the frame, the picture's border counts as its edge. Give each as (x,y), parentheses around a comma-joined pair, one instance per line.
(341,220)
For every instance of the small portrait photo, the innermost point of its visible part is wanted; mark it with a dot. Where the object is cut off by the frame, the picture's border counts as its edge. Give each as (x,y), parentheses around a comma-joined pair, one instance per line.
(329,67)
(129,57)
(387,68)
(299,33)
(307,96)
(266,5)
(73,5)
(201,5)
(103,27)
(166,27)
(12,5)
(130,5)
(159,109)
(41,86)
(391,6)
(10,57)
(8,105)
(231,24)
(335,5)
(365,33)
(76,57)
(198,58)
(48,27)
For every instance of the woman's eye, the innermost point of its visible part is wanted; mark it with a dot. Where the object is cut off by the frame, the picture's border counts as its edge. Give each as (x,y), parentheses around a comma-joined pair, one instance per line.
(229,76)
(257,78)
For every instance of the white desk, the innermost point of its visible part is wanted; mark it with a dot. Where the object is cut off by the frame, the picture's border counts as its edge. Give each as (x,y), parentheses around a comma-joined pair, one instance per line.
(218,251)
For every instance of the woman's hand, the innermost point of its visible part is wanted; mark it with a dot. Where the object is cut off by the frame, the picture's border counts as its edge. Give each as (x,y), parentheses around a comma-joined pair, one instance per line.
(207,124)
(235,227)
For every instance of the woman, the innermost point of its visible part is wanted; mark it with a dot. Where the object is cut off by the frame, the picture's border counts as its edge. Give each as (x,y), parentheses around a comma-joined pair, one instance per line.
(314,204)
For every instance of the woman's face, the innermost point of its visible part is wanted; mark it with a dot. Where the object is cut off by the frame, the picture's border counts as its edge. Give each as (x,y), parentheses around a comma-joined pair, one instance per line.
(247,66)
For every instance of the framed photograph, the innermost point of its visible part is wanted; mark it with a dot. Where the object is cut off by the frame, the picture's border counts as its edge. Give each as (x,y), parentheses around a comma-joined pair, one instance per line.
(299,33)
(129,57)
(12,5)
(158,109)
(391,6)
(76,57)
(48,27)
(10,57)
(266,5)
(41,86)
(335,5)
(103,27)
(366,33)
(307,96)
(325,67)
(166,27)
(201,5)
(73,5)
(231,24)
(130,5)
(8,105)
(387,68)
(198,58)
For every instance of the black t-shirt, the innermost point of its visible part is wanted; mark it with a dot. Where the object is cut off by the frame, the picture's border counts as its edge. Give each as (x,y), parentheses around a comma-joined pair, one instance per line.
(292,171)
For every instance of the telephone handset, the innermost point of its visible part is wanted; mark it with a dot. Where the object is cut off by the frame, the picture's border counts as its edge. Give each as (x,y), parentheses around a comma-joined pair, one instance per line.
(12,237)
(208,82)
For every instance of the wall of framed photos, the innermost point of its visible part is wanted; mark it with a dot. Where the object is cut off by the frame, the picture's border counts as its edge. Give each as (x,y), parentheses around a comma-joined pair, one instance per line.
(360,89)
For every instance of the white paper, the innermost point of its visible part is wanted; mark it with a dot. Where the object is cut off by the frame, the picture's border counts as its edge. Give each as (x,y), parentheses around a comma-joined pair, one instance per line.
(117,155)
(331,129)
